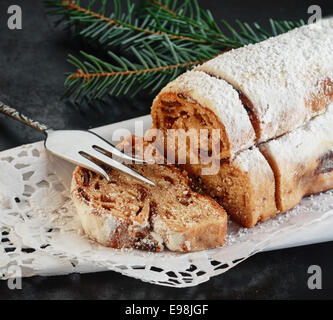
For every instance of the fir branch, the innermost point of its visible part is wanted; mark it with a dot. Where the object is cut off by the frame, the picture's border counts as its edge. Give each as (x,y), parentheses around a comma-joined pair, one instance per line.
(144,48)
(77,14)
(187,18)
(87,76)
(72,6)
(164,7)
(96,78)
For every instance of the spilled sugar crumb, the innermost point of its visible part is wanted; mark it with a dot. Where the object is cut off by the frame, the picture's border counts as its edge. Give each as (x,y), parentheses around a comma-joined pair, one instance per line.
(308,206)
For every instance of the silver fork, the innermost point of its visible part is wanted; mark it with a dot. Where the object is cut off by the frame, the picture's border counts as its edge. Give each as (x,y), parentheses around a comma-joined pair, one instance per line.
(83,148)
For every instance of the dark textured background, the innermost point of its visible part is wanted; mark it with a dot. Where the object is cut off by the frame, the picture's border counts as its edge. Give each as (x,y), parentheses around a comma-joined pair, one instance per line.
(32,67)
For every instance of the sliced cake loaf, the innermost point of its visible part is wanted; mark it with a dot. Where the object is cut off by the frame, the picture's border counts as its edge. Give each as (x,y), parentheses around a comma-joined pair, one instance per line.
(283,81)
(197,101)
(275,86)
(302,160)
(124,213)
(274,177)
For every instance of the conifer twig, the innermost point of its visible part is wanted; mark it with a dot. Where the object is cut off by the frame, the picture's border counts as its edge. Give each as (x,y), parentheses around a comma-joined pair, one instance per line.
(143,48)
(159,4)
(72,5)
(87,76)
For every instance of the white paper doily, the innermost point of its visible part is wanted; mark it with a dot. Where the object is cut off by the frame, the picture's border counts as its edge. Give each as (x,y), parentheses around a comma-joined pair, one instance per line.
(41,233)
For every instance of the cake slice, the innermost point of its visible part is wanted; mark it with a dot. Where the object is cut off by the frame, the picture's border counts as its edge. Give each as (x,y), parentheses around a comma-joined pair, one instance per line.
(244,186)
(196,102)
(302,160)
(125,213)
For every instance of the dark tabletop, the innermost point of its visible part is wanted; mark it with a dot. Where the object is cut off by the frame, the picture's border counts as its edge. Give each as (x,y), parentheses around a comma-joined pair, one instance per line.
(32,67)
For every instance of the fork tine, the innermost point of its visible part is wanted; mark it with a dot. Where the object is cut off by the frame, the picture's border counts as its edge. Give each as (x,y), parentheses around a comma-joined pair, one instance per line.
(85,162)
(108,147)
(117,165)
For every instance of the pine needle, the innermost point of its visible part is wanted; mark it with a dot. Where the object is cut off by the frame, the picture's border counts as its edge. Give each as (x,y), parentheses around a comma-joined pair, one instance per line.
(145,47)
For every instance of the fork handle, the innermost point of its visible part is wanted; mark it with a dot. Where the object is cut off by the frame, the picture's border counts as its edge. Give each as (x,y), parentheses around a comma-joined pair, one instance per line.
(16,115)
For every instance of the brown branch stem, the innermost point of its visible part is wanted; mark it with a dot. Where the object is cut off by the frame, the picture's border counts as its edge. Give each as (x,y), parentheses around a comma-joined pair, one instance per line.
(73,6)
(163,7)
(87,76)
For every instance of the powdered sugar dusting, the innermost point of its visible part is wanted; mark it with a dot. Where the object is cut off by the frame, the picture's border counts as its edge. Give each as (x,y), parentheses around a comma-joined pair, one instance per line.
(250,159)
(305,143)
(280,75)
